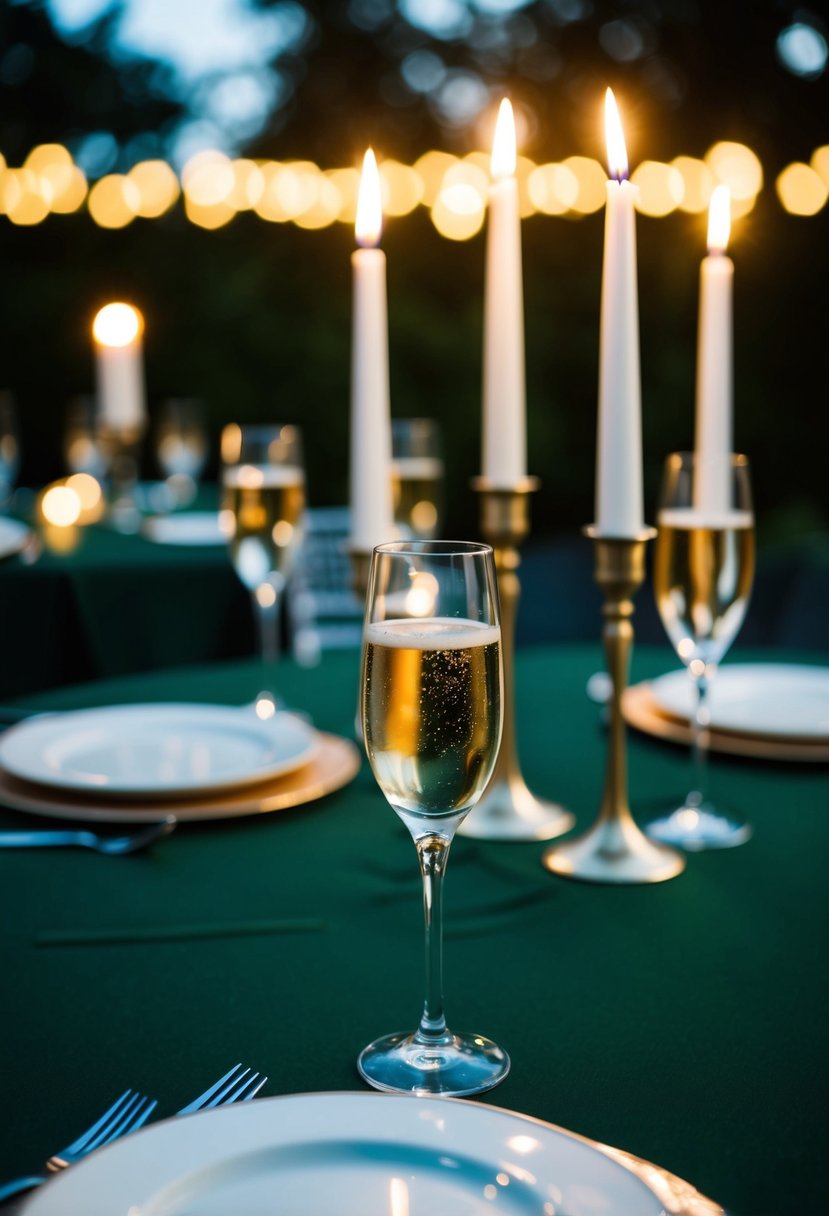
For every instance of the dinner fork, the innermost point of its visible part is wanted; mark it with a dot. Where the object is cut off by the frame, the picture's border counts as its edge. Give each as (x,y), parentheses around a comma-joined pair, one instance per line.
(127,1114)
(237,1085)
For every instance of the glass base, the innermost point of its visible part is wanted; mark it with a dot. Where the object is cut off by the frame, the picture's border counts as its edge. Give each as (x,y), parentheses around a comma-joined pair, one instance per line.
(694,828)
(463,1065)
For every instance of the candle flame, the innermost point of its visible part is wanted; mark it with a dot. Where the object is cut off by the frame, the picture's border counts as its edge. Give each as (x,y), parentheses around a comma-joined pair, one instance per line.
(617,157)
(117,325)
(719,220)
(503,143)
(369,223)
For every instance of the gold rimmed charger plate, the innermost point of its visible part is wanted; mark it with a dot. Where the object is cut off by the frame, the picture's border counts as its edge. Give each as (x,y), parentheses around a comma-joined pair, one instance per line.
(334,764)
(642,712)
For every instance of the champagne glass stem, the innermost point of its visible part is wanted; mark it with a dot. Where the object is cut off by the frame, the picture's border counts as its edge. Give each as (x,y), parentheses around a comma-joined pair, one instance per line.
(433,853)
(267,623)
(699,739)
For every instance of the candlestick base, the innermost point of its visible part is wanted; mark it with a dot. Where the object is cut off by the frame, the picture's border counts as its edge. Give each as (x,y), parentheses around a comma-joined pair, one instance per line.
(614,850)
(508,810)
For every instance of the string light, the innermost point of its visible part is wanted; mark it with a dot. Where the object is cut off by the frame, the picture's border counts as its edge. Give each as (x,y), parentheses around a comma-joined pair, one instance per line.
(214,188)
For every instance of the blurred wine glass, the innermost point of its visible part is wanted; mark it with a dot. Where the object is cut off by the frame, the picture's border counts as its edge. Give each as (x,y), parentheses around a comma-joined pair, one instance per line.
(703,572)
(417,476)
(85,446)
(181,447)
(263,503)
(9,446)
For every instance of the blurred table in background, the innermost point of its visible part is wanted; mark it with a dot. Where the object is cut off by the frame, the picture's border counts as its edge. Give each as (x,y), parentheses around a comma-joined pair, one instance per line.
(118,604)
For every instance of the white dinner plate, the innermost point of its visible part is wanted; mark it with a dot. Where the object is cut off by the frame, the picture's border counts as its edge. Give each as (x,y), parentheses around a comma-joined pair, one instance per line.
(776,699)
(155,750)
(14,536)
(356,1154)
(185,528)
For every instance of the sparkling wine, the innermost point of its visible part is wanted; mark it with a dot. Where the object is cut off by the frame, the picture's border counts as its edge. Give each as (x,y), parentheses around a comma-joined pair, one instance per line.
(703,573)
(416,489)
(432,711)
(262,517)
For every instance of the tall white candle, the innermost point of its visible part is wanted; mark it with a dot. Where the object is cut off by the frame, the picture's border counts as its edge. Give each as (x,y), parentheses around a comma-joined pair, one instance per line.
(504,400)
(619,510)
(712,480)
(372,518)
(117,330)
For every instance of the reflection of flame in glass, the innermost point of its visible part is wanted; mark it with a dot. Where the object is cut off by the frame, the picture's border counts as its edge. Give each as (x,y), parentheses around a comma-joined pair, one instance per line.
(421,596)
(398,1197)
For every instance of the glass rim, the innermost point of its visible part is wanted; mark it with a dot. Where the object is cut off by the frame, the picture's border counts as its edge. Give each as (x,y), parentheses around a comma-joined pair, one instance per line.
(432,548)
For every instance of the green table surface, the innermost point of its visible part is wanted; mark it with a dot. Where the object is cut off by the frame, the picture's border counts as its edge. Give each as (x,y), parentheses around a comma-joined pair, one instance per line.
(685,1022)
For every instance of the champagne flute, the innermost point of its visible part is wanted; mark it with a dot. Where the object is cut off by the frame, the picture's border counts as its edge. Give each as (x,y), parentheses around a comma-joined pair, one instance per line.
(417,476)
(703,571)
(432,716)
(85,447)
(181,447)
(263,502)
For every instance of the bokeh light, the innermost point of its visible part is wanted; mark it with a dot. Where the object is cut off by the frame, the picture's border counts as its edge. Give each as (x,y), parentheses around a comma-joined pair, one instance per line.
(157,186)
(592,183)
(737,167)
(697,183)
(553,189)
(113,201)
(801,190)
(661,188)
(60,506)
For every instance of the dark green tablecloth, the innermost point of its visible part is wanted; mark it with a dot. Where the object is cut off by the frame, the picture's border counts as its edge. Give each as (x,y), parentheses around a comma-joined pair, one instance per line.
(685,1022)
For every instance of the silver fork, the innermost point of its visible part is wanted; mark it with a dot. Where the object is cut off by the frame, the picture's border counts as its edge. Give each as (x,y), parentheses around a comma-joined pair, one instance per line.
(237,1085)
(129,1113)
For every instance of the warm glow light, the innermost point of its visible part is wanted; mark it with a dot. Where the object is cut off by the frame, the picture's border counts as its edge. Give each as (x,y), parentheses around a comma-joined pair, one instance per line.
(801,190)
(117,325)
(114,201)
(61,506)
(208,215)
(553,189)
(503,143)
(719,220)
(617,157)
(432,167)
(737,167)
(458,211)
(401,188)
(69,189)
(661,188)
(698,182)
(590,178)
(87,488)
(157,187)
(369,222)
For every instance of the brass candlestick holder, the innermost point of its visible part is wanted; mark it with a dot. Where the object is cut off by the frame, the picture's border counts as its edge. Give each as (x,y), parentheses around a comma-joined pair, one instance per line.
(614,850)
(508,809)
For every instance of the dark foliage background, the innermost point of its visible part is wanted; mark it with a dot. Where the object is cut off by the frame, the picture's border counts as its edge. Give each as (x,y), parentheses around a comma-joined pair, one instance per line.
(255,317)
